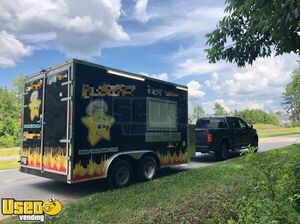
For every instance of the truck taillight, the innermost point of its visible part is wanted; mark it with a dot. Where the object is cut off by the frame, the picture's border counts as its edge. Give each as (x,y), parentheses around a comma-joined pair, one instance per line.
(209,137)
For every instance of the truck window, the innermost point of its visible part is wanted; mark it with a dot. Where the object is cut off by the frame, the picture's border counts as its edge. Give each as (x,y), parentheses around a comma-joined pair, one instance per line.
(242,123)
(233,122)
(161,115)
(211,123)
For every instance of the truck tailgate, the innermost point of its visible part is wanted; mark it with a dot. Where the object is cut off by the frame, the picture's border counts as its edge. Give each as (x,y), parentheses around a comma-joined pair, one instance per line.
(201,136)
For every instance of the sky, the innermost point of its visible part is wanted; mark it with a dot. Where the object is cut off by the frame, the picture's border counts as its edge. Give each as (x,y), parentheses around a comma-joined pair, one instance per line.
(161,39)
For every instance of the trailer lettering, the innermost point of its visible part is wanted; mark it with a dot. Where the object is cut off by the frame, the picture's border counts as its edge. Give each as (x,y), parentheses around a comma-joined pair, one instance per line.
(107,90)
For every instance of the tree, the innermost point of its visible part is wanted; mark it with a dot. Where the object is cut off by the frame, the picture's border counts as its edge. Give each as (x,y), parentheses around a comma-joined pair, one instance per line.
(253,29)
(256,116)
(198,112)
(219,109)
(10,111)
(292,95)
(18,85)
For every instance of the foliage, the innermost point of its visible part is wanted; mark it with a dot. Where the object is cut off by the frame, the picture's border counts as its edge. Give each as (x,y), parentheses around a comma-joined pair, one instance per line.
(256,116)
(270,194)
(225,192)
(252,29)
(10,113)
(198,112)
(219,109)
(18,85)
(292,96)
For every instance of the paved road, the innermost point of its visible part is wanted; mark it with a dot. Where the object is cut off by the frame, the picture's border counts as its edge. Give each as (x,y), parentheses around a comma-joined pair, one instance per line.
(24,186)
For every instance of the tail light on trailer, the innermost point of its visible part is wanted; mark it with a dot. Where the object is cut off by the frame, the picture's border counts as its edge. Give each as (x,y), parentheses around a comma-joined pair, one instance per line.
(209,137)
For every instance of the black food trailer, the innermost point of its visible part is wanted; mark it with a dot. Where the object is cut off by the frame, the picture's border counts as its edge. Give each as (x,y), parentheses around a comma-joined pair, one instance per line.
(82,121)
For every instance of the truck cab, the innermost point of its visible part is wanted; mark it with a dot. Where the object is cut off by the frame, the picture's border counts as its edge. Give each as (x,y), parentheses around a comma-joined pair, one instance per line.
(221,134)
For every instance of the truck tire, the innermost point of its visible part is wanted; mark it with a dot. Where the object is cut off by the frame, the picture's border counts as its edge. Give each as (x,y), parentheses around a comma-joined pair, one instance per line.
(147,168)
(120,174)
(223,151)
(255,143)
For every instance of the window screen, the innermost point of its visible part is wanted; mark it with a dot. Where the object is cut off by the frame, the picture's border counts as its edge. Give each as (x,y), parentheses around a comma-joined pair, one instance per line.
(162,114)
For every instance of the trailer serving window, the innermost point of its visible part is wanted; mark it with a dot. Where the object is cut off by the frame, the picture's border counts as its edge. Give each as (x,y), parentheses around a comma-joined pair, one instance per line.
(161,115)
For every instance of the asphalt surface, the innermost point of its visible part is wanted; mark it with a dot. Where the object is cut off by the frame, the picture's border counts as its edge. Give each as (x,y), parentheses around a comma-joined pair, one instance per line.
(15,184)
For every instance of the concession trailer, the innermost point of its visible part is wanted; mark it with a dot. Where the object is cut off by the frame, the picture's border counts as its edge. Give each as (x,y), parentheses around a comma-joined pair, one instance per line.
(82,121)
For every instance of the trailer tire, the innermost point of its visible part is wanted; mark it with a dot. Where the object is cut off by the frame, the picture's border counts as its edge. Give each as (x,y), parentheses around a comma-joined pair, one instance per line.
(223,151)
(120,174)
(147,168)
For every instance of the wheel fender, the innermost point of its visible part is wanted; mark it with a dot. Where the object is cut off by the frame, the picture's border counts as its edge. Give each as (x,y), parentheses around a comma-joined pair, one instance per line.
(136,155)
(226,139)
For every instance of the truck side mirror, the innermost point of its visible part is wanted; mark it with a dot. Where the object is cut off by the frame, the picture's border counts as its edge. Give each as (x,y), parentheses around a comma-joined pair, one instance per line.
(250,126)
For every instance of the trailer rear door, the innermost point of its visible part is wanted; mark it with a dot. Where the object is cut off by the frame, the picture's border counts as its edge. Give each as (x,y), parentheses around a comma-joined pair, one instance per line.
(56,113)
(46,125)
(32,122)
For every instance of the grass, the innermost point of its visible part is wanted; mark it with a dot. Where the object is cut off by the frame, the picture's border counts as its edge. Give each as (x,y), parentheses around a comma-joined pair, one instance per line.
(206,195)
(9,151)
(273,132)
(6,164)
(9,164)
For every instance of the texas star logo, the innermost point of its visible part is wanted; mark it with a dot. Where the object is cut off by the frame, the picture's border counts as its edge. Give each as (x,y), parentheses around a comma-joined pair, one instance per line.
(97,121)
(34,105)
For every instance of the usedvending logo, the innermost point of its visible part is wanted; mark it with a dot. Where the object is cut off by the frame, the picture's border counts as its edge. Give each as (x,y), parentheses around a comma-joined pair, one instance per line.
(28,210)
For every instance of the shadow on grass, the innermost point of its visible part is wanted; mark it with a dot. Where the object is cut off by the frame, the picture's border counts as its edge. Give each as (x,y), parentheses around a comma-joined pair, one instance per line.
(78,190)
(210,157)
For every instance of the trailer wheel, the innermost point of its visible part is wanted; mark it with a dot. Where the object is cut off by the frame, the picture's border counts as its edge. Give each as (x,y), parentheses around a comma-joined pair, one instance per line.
(120,174)
(223,151)
(147,168)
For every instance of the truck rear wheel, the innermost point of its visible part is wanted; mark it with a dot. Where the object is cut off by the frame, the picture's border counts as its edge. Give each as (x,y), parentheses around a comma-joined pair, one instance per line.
(223,152)
(120,174)
(147,168)
(255,144)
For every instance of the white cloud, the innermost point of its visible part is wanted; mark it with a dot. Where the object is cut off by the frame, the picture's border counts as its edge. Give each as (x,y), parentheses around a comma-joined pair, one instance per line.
(162,76)
(194,89)
(141,10)
(77,28)
(267,77)
(11,50)
(213,83)
(175,20)
(197,67)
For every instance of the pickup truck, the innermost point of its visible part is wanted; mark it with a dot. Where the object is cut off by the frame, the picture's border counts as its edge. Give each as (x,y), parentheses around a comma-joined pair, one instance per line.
(221,134)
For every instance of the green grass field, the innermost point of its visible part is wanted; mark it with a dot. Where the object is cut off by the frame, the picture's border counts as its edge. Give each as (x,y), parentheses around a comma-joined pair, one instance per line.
(9,151)
(273,132)
(9,164)
(214,194)
(6,161)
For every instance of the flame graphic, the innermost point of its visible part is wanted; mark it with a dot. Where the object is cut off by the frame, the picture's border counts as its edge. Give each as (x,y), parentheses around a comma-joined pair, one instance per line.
(93,169)
(33,157)
(55,162)
(169,159)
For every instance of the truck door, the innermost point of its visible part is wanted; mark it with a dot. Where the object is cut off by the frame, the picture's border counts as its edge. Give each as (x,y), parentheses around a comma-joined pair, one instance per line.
(56,117)
(245,132)
(237,137)
(31,155)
